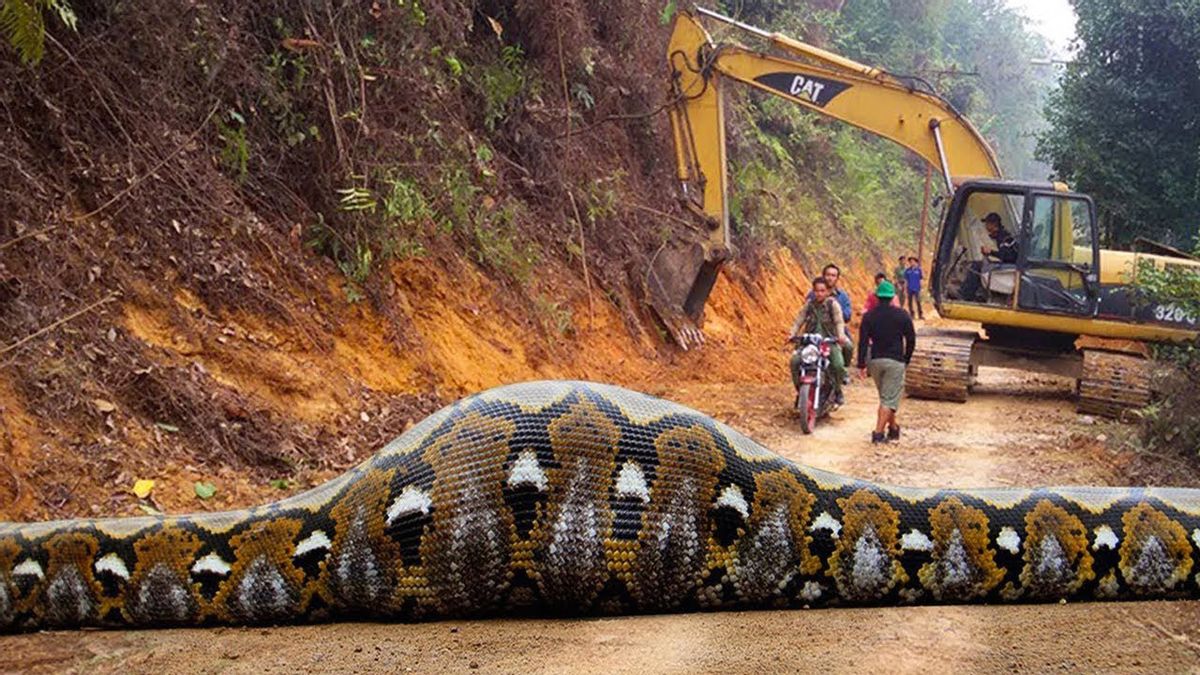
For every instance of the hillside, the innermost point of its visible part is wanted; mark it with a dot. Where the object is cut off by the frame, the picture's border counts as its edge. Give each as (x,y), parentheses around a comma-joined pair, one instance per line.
(253,244)
(249,242)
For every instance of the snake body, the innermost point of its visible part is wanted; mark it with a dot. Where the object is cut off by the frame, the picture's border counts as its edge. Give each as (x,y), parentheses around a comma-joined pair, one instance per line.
(578,498)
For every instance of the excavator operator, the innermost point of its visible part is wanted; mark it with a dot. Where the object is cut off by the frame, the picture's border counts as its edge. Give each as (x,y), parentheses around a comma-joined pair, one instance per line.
(1006,252)
(822,315)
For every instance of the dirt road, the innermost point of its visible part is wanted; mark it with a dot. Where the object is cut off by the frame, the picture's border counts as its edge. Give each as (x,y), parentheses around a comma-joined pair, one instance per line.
(1016,430)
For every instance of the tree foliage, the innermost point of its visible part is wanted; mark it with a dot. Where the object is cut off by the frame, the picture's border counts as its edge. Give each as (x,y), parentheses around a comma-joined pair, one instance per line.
(1171,422)
(1125,125)
(976,53)
(23,24)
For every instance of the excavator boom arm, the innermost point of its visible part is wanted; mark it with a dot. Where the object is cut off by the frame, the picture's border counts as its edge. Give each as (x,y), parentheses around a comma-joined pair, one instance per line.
(825,83)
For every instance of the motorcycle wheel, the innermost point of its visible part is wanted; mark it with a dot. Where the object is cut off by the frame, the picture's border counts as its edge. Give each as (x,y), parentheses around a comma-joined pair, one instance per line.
(804,407)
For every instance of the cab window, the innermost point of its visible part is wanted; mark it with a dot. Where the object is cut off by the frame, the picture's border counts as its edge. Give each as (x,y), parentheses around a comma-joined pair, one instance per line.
(976,273)
(1058,254)
(1060,230)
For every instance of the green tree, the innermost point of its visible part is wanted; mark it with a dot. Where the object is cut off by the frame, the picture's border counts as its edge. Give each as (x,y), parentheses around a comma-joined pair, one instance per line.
(1171,422)
(1125,124)
(23,24)
(977,53)
(1007,92)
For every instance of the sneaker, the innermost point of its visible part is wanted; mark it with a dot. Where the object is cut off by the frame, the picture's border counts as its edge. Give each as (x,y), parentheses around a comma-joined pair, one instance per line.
(846,380)
(893,433)
(877,438)
(839,398)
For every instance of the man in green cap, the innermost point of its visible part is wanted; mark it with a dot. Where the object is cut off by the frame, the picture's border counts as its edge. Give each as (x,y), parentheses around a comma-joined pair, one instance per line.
(886,341)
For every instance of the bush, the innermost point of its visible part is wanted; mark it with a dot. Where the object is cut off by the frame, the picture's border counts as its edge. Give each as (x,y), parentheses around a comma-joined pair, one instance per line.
(1171,422)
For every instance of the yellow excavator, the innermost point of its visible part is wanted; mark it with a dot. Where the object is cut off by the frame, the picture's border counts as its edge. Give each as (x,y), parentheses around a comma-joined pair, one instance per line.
(1055,286)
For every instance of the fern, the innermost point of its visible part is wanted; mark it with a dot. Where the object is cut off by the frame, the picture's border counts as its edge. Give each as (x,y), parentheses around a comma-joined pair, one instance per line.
(23,25)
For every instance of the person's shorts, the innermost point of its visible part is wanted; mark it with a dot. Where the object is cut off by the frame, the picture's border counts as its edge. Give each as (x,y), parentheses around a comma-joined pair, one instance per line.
(889,381)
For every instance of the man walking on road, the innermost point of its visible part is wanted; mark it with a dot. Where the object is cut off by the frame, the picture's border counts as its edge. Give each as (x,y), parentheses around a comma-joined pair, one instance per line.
(886,341)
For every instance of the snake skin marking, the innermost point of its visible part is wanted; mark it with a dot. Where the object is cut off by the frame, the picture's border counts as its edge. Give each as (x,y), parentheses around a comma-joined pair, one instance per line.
(963,562)
(543,397)
(317,541)
(123,528)
(631,482)
(112,564)
(263,593)
(29,567)
(865,564)
(776,549)
(411,500)
(915,540)
(1108,587)
(525,471)
(1185,501)
(1156,555)
(575,498)
(672,544)
(1009,540)
(812,591)
(732,497)
(826,522)
(1105,538)
(211,564)
(69,599)
(1094,500)
(1057,562)
(636,406)
(1007,498)
(160,597)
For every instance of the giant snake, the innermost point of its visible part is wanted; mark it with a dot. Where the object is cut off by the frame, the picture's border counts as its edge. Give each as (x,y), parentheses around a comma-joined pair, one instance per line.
(576,498)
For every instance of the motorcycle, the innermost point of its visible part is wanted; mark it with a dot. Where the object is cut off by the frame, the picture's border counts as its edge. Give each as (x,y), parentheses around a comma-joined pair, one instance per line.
(815,396)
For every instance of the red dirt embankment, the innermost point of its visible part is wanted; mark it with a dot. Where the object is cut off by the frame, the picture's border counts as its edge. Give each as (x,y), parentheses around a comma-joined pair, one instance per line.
(336,380)
(246,243)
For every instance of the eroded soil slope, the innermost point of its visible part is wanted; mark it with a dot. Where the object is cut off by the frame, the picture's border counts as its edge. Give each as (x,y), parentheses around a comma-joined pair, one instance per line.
(178,391)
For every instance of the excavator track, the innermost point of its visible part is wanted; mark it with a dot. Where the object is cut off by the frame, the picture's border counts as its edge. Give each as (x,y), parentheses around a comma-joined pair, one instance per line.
(941,366)
(1112,383)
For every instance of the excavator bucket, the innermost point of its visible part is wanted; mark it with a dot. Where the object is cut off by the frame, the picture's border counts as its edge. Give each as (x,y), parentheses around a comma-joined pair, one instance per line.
(681,276)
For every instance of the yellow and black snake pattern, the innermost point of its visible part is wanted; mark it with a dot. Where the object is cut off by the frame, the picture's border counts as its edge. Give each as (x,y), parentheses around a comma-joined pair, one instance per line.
(577,498)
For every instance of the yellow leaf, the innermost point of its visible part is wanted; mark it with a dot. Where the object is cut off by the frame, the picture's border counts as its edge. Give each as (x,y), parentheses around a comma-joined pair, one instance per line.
(496,27)
(104,406)
(142,488)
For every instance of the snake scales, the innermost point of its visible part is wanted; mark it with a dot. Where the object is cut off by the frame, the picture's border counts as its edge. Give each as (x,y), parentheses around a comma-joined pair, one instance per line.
(566,497)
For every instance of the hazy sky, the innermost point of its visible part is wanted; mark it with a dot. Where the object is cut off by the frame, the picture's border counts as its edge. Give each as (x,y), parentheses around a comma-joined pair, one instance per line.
(1053,18)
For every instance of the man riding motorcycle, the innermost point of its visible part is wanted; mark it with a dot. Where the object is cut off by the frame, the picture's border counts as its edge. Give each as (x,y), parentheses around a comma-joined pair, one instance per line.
(822,315)
(833,277)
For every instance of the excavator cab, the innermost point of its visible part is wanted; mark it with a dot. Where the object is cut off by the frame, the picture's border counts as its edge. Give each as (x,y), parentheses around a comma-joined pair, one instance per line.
(1054,267)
